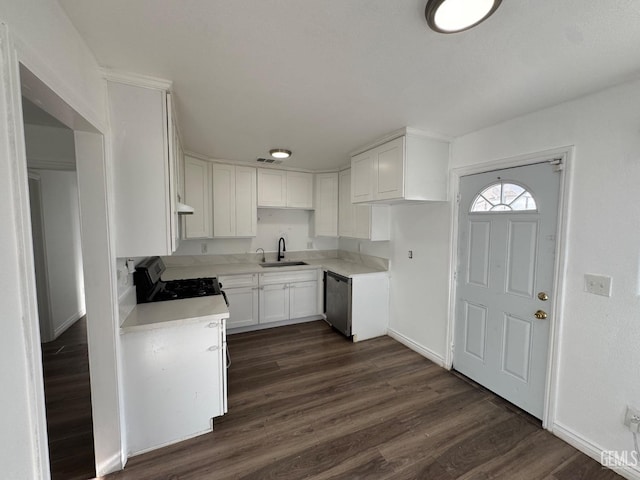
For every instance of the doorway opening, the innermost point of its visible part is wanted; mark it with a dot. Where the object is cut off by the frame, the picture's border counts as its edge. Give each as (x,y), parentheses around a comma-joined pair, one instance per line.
(76,371)
(55,227)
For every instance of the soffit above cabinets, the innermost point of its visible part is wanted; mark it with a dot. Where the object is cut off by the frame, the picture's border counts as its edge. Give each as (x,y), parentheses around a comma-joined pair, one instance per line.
(324,78)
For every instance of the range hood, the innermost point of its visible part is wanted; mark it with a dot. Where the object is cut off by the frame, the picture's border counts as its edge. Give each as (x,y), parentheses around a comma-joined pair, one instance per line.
(183,209)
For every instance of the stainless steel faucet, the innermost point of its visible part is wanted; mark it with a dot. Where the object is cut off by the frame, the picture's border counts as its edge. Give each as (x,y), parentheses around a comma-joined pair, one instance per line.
(263,259)
(284,248)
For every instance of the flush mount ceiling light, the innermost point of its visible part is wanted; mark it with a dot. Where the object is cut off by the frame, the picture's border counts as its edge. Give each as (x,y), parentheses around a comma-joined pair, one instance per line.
(280,153)
(452,16)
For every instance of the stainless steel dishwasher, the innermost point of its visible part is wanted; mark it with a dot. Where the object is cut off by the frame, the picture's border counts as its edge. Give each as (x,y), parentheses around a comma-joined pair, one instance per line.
(338,302)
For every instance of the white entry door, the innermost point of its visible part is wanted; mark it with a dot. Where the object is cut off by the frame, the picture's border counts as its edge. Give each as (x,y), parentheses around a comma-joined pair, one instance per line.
(507,239)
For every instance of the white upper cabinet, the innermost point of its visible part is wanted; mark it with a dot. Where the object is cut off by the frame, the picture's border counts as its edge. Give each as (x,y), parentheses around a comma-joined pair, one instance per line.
(362,180)
(300,190)
(197,178)
(346,210)
(369,222)
(410,167)
(234,201)
(325,216)
(224,200)
(272,188)
(145,170)
(246,202)
(284,189)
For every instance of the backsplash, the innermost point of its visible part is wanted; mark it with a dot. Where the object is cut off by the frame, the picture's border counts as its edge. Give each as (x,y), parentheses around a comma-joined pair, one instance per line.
(273,223)
(198,260)
(194,260)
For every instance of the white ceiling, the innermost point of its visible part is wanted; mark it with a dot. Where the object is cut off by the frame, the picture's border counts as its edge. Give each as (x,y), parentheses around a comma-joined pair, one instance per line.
(325,77)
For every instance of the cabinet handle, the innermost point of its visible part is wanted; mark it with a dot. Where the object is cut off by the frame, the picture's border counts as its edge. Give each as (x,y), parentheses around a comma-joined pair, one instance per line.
(255,288)
(213,325)
(213,348)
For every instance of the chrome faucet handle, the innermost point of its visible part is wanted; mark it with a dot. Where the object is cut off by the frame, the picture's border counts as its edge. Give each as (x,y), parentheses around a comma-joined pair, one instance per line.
(263,257)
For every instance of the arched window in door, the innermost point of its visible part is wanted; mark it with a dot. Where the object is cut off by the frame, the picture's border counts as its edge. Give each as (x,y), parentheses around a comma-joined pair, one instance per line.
(503,197)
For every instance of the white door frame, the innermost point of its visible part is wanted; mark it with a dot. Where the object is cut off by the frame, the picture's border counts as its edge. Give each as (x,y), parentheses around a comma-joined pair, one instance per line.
(108,418)
(560,266)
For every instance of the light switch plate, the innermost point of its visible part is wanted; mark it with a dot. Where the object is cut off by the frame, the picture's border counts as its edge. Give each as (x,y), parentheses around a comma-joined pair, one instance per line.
(597,284)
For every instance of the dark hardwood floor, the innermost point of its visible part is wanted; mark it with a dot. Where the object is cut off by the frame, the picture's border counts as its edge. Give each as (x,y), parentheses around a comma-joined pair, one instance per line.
(306,403)
(67,390)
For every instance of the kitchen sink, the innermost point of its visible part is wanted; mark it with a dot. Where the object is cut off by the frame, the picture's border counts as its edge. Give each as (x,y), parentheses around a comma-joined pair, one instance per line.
(282,264)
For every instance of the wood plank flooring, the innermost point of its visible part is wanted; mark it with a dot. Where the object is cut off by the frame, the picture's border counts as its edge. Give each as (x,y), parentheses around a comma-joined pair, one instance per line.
(67,389)
(306,403)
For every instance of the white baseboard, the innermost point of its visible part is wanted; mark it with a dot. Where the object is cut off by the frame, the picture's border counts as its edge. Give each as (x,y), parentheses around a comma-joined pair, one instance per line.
(283,323)
(60,329)
(591,449)
(416,347)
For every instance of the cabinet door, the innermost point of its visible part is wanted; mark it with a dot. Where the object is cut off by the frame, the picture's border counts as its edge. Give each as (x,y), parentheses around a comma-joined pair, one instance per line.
(272,188)
(178,161)
(362,177)
(303,299)
(243,306)
(246,202)
(173,382)
(299,190)
(224,200)
(326,205)
(389,167)
(362,220)
(274,303)
(198,195)
(141,171)
(346,225)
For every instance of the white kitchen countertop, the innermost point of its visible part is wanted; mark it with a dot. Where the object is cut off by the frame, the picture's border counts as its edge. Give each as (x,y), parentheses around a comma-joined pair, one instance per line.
(147,316)
(336,265)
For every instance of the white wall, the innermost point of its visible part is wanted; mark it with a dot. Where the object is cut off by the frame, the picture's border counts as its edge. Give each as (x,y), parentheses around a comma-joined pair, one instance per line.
(600,342)
(376,249)
(52,49)
(600,337)
(273,223)
(49,147)
(419,286)
(61,214)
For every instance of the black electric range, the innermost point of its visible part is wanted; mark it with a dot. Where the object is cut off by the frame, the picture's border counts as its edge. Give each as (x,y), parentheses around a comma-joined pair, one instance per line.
(150,287)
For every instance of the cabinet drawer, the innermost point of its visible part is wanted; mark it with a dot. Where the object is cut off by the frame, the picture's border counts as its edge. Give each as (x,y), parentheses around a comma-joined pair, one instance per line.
(288,277)
(234,281)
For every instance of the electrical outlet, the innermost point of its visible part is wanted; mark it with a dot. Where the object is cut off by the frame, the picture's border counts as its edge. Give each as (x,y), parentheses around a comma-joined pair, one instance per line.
(632,417)
(597,284)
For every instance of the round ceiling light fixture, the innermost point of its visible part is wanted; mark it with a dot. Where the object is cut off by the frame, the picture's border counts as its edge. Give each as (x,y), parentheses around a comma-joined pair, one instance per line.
(280,153)
(452,16)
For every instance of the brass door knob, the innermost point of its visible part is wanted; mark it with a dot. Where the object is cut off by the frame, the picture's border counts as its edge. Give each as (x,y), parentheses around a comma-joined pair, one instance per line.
(543,296)
(540,315)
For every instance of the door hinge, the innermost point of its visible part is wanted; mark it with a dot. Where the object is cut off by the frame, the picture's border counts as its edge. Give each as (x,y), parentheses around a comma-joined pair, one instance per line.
(557,164)
(458,199)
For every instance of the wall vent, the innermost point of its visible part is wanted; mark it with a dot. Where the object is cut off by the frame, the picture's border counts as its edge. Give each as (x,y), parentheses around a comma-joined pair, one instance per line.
(271,161)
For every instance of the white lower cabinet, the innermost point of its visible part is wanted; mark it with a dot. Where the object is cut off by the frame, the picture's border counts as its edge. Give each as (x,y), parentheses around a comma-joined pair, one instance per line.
(174,382)
(288,295)
(271,297)
(303,299)
(242,293)
(274,303)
